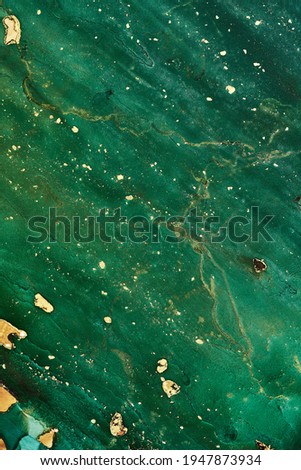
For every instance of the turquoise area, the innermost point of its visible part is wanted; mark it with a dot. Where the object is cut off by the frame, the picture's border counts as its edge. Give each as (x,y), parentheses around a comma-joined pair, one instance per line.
(145,84)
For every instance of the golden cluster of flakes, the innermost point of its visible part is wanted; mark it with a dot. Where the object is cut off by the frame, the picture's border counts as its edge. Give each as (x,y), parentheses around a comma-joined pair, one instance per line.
(6,399)
(117,428)
(2,444)
(12,30)
(43,303)
(7,329)
(48,437)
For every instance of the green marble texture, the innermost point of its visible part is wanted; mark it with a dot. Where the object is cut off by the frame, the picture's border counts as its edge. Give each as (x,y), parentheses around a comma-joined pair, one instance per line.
(134,78)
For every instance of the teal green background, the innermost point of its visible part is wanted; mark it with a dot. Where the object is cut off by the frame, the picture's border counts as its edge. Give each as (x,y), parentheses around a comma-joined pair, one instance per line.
(138,97)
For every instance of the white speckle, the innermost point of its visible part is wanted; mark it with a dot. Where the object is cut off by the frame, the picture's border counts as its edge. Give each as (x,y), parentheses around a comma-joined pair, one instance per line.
(58,121)
(129,198)
(223,53)
(230,188)
(102,264)
(51,357)
(230,89)
(209,99)
(120,177)
(258,22)
(39,12)
(256,64)
(245,51)
(75,129)
(128,26)
(107,320)
(93,421)
(205,41)
(275,164)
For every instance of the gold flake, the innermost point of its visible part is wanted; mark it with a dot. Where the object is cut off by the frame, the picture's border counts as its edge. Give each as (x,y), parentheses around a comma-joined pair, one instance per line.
(162,366)
(12,30)
(170,387)
(42,303)
(7,329)
(263,446)
(230,89)
(259,265)
(117,428)
(2,444)
(199,341)
(6,399)
(48,437)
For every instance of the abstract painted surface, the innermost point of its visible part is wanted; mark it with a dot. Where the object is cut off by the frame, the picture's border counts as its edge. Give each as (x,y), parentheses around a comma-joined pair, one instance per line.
(156,108)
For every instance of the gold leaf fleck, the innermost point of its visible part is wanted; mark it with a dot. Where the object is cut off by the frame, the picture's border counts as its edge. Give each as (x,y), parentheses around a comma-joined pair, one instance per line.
(116,426)
(7,329)
(6,399)
(42,303)
(162,366)
(48,437)
(170,387)
(12,30)
(2,444)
